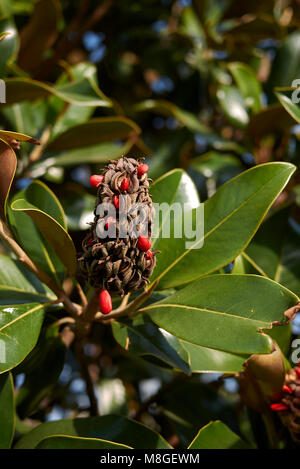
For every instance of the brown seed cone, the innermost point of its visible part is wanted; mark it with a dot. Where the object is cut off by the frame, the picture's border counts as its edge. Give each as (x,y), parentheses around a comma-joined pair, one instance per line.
(117,264)
(291,417)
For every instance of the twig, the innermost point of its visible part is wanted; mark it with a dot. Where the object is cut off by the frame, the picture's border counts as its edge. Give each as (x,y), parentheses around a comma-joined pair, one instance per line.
(37,152)
(81,293)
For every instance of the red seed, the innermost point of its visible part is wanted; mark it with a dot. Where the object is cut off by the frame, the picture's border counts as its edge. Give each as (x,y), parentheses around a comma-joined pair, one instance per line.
(142,169)
(105,302)
(287,389)
(149,255)
(109,222)
(124,184)
(278,407)
(144,243)
(96,179)
(116,201)
(91,241)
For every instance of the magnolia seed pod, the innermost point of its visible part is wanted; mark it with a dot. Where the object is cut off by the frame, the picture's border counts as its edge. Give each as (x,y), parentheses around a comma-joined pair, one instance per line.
(288,405)
(110,261)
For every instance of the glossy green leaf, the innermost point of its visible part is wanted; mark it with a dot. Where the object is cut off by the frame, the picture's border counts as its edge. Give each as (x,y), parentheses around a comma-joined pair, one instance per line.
(53,232)
(28,234)
(142,337)
(8,165)
(231,217)
(216,435)
(8,44)
(8,136)
(26,118)
(207,360)
(93,132)
(221,312)
(64,118)
(248,84)
(175,187)
(19,285)
(19,330)
(286,65)
(112,428)
(74,442)
(91,154)
(7,406)
(290,100)
(82,93)
(233,105)
(191,26)
(274,251)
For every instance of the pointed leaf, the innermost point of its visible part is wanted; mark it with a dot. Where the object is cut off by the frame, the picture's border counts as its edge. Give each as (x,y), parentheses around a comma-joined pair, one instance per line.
(207,360)
(19,330)
(8,165)
(274,251)
(216,435)
(142,337)
(19,285)
(74,442)
(54,233)
(290,101)
(8,136)
(83,92)
(233,105)
(110,427)
(95,131)
(221,312)
(231,217)
(174,187)
(91,154)
(7,406)
(8,44)
(28,234)
(248,84)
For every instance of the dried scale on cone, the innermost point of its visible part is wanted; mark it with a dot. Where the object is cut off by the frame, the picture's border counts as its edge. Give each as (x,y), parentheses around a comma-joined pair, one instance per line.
(288,403)
(114,263)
